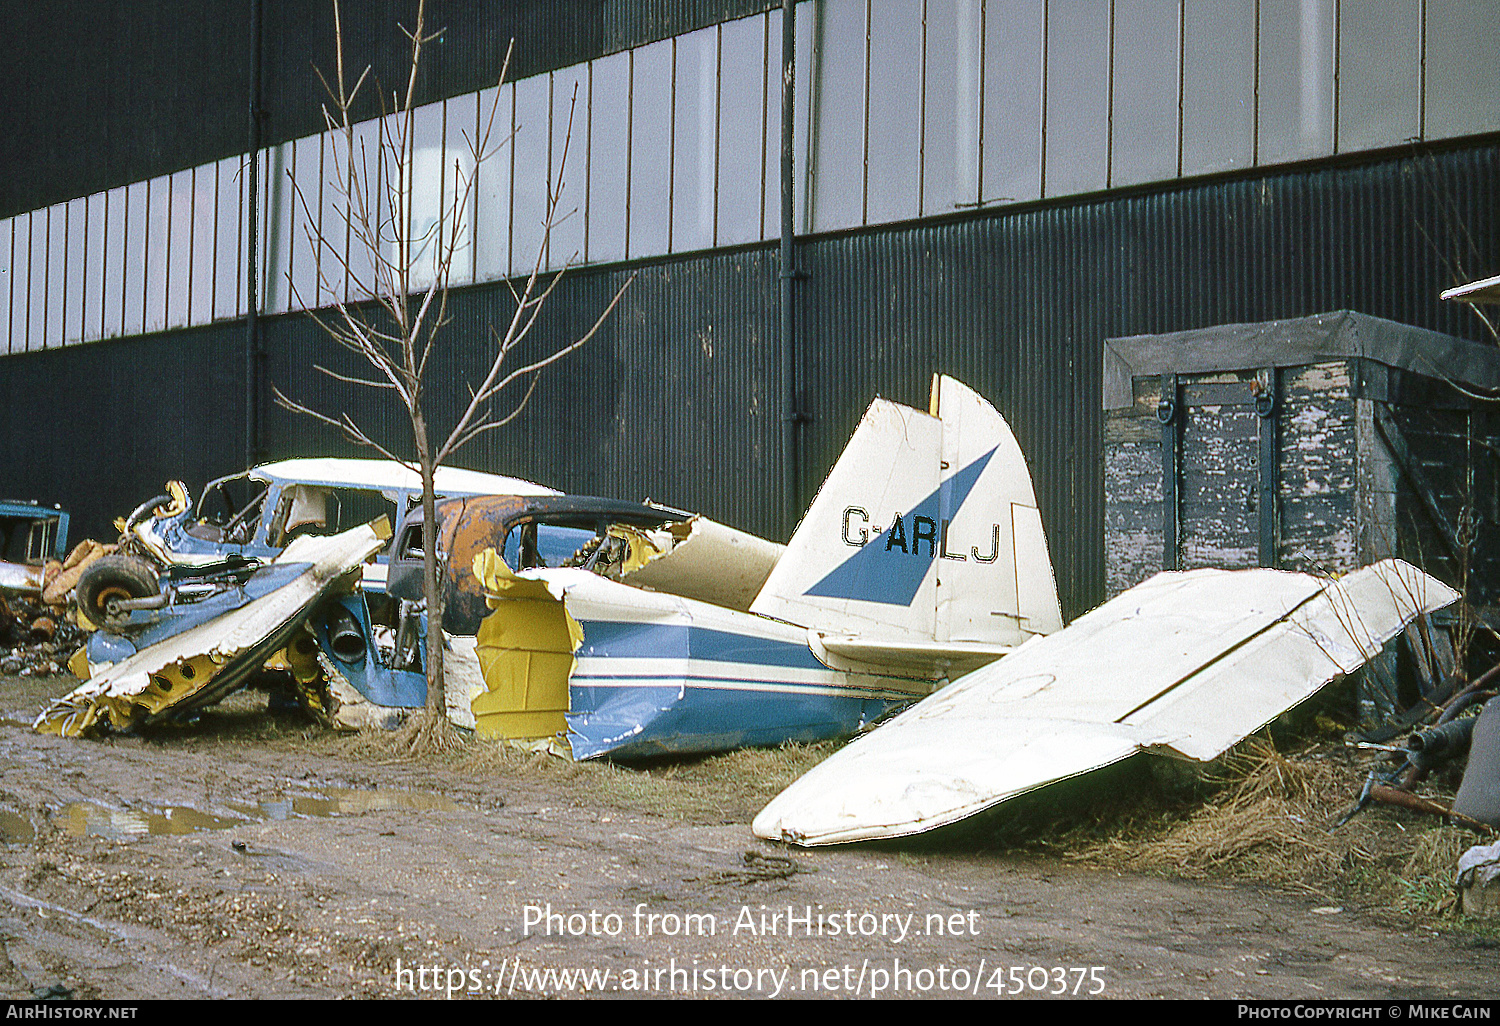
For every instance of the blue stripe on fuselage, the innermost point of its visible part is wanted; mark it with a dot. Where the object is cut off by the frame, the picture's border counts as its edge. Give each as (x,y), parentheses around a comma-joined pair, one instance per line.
(888,571)
(624,640)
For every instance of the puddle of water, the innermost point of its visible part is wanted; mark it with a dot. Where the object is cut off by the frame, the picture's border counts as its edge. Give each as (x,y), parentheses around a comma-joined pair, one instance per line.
(15,829)
(85,819)
(345,802)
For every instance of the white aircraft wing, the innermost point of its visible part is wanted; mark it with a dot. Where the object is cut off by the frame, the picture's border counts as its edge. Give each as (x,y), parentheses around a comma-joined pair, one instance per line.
(1186,664)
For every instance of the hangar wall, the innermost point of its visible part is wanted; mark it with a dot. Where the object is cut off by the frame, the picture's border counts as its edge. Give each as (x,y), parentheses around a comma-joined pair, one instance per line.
(669,118)
(673,400)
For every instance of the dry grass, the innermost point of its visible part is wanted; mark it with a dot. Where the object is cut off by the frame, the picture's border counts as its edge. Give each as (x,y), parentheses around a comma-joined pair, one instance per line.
(1270,822)
(1266,824)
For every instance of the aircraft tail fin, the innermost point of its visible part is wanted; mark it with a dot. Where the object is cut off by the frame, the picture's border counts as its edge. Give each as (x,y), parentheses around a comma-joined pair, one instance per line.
(926,529)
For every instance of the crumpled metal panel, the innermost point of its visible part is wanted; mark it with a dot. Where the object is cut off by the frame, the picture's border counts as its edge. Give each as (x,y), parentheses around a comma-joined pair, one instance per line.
(206,662)
(469,527)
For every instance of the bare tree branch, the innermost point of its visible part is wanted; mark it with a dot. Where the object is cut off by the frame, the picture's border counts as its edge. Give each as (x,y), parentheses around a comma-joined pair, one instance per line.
(343,423)
(391,307)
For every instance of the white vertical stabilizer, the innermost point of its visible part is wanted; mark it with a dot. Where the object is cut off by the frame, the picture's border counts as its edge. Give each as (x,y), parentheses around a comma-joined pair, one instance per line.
(924,537)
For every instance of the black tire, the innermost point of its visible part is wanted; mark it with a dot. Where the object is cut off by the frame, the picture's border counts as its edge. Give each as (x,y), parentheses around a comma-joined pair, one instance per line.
(113,577)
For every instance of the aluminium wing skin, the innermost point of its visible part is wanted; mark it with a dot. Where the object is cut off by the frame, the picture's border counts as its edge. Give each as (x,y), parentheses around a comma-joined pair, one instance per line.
(1185,664)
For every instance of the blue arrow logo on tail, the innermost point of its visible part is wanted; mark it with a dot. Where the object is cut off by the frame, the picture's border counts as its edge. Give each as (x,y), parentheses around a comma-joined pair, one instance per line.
(891,572)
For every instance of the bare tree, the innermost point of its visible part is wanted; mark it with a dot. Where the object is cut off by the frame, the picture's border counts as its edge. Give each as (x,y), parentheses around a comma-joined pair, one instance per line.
(394,308)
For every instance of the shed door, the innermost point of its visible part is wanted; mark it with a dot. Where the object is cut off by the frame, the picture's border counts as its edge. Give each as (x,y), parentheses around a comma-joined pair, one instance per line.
(1219,473)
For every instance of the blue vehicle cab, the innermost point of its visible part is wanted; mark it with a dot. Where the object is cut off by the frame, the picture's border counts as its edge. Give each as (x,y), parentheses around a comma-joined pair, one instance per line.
(30,534)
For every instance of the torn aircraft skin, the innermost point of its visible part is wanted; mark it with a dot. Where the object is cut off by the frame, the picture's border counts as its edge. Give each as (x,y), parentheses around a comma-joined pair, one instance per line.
(1183,665)
(195,661)
(635,631)
(631,673)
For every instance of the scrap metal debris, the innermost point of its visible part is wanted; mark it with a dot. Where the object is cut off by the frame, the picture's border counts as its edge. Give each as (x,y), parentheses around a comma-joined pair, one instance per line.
(637,631)
(1466,725)
(1479,794)
(38,629)
(36,639)
(1479,879)
(208,659)
(31,537)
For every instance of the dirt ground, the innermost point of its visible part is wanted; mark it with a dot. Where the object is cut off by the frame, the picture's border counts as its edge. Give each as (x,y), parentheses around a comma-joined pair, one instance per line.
(248,856)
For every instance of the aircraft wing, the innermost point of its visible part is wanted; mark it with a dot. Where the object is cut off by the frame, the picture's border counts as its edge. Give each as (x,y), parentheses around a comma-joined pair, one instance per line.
(1186,664)
(207,661)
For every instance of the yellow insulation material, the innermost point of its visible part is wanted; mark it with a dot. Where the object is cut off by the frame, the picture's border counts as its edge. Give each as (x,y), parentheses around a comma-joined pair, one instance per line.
(169,685)
(525,650)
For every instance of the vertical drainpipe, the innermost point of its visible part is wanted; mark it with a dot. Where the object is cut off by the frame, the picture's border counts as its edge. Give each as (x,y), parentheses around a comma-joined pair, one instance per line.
(790,417)
(252,329)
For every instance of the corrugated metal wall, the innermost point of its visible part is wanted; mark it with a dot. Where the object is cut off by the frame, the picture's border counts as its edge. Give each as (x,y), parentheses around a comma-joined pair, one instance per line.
(677,398)
(116,93)
(99,429)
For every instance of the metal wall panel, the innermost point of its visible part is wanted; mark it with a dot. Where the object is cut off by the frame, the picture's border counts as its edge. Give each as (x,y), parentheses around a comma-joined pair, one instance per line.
(1011,158)
(649,214)
(1296,80)
(748,119)
(838,159)
(116,93)
(1218,85)
(676,400)
(1463,90)
(1146,67)
(1076,132)
(952,74)
(893,153)
(695,139)
(1380,74)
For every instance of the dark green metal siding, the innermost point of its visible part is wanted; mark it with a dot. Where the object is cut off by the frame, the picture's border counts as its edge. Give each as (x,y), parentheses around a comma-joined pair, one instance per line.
(676,399)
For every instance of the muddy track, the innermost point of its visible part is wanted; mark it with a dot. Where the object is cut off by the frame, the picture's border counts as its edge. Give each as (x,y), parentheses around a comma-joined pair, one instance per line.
(320,874)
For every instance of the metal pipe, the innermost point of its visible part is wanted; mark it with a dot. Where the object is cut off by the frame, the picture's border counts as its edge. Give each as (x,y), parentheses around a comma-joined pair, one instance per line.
(789,417)
(252,329)
(1388,795)
(344,636)
(119,606)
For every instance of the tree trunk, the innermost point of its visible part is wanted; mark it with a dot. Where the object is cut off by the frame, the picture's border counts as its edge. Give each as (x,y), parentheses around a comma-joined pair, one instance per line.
(435,731)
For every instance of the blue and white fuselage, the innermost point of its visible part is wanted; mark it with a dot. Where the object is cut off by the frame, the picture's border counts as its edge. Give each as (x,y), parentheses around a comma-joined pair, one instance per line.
(659,674)
(921,558)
